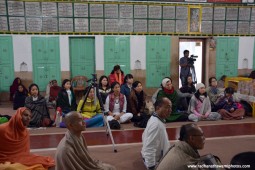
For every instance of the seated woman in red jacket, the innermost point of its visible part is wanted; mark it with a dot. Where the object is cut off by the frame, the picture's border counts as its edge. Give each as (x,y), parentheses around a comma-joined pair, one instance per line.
(116,75)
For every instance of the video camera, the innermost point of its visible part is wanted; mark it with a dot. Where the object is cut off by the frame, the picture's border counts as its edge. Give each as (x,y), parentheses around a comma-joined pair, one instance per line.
(192,59)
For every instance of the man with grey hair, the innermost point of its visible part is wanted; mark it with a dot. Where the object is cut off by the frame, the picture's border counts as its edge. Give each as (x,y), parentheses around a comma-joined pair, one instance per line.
(184,152)
(155,138)
(72,152)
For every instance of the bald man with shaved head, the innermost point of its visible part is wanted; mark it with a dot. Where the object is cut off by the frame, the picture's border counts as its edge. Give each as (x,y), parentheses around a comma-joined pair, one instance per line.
(72,152)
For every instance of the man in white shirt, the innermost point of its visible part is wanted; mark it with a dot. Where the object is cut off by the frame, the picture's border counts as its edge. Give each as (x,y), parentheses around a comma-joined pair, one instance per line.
(155,138)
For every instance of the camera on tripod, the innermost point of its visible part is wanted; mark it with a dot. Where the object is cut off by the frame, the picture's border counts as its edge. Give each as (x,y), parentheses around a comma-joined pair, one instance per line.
(192,59)
(94,78)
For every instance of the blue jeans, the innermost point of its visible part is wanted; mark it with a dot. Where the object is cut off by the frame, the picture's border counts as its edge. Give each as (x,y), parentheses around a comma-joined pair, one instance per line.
(183,79)
(96,121)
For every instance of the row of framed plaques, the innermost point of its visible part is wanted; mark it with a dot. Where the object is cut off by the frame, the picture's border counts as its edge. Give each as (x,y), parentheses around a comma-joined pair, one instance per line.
(21,24)
(22,16)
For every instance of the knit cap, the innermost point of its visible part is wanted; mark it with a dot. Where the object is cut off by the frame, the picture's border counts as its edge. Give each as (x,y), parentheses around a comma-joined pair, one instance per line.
(164,81)
(199,85)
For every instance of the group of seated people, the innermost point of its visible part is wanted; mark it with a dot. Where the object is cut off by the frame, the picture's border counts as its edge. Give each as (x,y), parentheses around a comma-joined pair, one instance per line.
(124,100)
(72,152)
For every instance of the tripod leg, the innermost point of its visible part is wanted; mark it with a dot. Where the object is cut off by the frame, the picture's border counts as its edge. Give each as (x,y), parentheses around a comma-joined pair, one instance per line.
(108,131)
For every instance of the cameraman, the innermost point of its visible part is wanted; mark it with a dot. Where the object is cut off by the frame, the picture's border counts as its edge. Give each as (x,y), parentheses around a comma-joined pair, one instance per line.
(185,67)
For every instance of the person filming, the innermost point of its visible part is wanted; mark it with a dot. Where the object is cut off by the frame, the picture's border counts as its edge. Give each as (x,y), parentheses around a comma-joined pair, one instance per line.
(185,67)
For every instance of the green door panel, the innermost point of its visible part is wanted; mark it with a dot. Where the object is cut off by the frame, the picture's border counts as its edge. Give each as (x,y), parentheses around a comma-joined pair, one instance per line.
(221,49)
(151,48)
(158,71)
(46,60)
(82,56)
(233,46)
(6,77)
(157,59)
(39,50)
(6,63)
(164,49)
(116,51)
(227,57)
(45,73)
(45,50)
(6,50)
(110,49)
(82,70)
(52,50)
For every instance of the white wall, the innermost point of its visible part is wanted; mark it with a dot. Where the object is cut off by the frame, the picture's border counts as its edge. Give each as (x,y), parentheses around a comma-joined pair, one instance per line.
(138,51)
(23,52)
(246,45)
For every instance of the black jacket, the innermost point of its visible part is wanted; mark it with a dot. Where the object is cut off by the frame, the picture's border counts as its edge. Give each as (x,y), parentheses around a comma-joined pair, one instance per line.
(63,101)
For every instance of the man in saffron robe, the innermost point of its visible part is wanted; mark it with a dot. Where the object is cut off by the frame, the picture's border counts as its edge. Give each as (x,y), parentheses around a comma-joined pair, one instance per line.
(72,152)
(15,144)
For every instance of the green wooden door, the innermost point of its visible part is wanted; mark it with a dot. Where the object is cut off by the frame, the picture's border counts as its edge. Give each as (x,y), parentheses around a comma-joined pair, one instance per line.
(46,60)
(227,57)
(157,59)
(6,63)
(82,56)
(116,51)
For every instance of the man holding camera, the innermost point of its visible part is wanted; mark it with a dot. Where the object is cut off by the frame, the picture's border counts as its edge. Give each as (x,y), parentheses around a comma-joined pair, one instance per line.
(185,67)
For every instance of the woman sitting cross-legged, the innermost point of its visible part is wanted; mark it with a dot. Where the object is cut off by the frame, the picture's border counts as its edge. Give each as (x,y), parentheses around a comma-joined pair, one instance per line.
(66,99)
(228,108)
(116,105)
(15,145)
(19,97)
(104,87)
(200,106)
(38,106)
(213,92)
(90,110)
(136,105)
(167,90)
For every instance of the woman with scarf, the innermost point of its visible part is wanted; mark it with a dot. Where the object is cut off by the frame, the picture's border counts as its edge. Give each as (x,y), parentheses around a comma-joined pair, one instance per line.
(167,90)
(19,97)
(116,75)
(213,92)
(14,87)
(116,105)
(200,106)
(37,104)
(15,145)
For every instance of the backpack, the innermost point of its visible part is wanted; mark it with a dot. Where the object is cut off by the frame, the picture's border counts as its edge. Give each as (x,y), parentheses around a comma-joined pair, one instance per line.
(211,161)
(143,122)
(114,124)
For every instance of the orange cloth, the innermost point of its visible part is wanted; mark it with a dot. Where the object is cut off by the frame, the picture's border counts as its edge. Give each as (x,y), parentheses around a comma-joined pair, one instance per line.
(18,166)
(15,143)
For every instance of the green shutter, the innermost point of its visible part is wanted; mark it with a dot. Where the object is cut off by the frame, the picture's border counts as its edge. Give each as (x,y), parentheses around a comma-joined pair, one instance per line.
(82,56)
(6,63)
(46,60)
(116,51)
(227,57)
(157,59)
